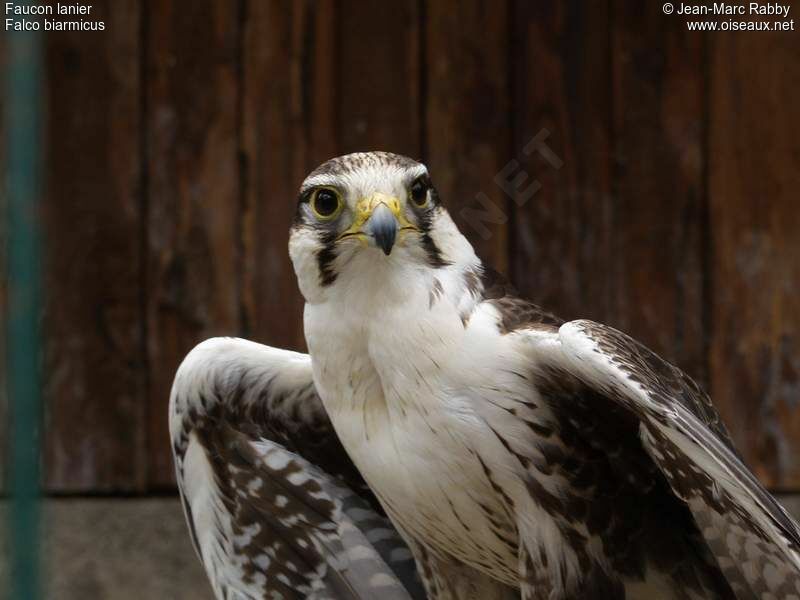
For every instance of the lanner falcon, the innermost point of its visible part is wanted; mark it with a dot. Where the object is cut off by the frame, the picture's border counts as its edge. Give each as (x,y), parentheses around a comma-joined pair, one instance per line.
(443,433)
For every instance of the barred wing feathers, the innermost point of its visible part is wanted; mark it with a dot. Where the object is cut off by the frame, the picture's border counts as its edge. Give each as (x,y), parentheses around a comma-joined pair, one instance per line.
(275,507)
(754,541)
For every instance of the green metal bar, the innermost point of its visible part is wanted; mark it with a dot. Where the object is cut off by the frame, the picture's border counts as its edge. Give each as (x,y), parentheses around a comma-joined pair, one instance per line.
(22,124)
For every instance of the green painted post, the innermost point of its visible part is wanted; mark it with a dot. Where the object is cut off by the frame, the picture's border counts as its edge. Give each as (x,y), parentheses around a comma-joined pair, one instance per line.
(23,95)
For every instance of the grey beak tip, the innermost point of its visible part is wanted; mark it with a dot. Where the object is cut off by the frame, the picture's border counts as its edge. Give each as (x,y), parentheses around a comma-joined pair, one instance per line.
(383,228)
(385,239)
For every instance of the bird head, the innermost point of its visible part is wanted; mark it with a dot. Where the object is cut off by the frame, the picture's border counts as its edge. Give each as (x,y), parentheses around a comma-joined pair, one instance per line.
(370,212)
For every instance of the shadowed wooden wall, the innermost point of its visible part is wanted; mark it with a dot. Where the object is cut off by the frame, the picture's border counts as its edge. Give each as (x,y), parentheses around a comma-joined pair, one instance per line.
(617,166)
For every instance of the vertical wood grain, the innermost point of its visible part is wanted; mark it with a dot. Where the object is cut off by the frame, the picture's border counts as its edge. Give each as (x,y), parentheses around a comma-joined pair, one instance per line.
(94,368)
(561,230)
(754,181)
(289,124)
(377,67)
(193,213)
(468,126)
(672,213)
(658,225)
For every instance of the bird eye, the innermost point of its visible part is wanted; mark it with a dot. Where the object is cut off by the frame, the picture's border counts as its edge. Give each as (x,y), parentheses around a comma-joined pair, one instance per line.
(419,192)
(326,204)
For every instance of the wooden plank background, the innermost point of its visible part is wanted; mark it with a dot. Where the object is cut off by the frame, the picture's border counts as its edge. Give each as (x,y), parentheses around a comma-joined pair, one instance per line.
(651,181)
(94,360)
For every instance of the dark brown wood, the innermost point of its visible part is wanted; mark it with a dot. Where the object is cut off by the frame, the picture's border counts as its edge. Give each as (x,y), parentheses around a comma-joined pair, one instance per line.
(378,93)
(468,125)
(755,216)
(665,197)
(561,228)
(658,220)
(289,124)
(93,361)
(194,271)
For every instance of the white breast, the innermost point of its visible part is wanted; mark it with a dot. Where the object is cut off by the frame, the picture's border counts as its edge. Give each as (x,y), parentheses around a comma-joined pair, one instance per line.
(397,385)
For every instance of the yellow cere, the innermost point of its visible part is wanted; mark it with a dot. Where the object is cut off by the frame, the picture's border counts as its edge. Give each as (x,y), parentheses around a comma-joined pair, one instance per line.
(365,208)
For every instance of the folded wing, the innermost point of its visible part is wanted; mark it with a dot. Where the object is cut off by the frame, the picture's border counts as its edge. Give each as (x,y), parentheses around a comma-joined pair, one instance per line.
(275,507)
(752,538)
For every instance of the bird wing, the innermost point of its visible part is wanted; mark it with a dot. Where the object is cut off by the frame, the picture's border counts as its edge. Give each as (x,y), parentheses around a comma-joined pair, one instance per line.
(275,507)
(446,577)
(754,541)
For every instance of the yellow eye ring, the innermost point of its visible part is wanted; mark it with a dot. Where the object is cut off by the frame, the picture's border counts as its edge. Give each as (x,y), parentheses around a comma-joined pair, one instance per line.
(326,204)
(418,192)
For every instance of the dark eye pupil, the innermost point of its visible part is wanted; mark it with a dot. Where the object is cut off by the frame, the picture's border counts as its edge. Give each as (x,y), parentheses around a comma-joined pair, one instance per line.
(419,192)
(326,203)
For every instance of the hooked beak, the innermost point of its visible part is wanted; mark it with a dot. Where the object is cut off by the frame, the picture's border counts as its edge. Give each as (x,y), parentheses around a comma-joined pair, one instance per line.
(378,220)
(382,227)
